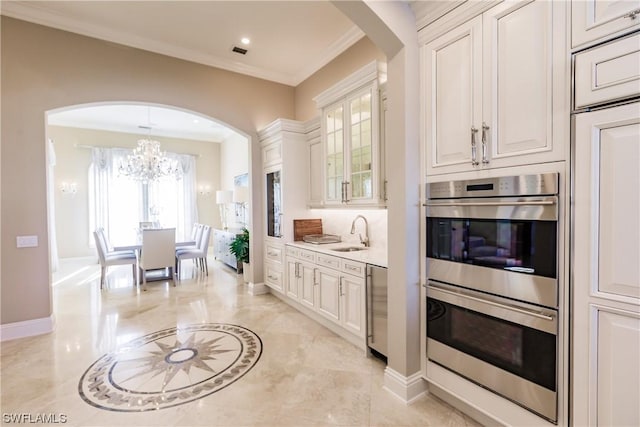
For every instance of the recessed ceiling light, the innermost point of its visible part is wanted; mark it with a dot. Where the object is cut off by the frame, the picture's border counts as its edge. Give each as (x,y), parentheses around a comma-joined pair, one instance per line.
(245,40)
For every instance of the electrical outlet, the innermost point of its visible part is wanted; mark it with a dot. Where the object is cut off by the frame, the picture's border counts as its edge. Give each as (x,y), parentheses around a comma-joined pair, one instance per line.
(27,241)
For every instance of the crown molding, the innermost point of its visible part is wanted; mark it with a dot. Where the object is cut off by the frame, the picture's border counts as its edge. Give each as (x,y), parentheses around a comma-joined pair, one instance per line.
(30,12)
(370,72)
(278,126)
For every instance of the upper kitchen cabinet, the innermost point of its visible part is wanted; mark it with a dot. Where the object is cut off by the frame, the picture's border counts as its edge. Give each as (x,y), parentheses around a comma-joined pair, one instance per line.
(314,155)
(494,96)
(350,138)
(593,21)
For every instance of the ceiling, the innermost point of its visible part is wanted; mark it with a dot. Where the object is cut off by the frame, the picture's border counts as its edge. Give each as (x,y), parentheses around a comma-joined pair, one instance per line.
(290,40)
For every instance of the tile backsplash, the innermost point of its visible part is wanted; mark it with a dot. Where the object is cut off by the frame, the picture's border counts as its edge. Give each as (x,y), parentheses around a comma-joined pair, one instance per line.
(338,221)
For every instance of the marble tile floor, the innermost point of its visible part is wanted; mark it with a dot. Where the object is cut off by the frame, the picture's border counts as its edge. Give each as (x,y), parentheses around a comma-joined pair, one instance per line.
(304,376)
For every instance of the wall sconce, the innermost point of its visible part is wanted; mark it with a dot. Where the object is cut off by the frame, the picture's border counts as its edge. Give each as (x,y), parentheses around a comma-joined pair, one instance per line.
(204,190)
(69,188)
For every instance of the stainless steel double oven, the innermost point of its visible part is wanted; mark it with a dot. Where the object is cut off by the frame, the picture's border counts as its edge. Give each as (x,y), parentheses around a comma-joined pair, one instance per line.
(492,291)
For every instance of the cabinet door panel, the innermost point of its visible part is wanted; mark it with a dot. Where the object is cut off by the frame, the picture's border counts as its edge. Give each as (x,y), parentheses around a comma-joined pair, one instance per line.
(292,282)
(329,294)
(352,301)
(518,86)
(334,153)
(307,291)
(618,157)
(606,276)
(599,19)
(452,67)
(618,372)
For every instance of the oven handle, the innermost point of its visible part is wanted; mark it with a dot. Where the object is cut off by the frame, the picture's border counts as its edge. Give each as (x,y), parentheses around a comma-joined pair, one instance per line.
(487,300)
(517,203)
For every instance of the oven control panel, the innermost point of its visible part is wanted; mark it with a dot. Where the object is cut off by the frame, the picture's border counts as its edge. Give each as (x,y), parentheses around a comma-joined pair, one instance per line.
(521,185)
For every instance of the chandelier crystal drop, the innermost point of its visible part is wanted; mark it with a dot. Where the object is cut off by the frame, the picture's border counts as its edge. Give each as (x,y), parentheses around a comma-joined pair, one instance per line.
(147,163)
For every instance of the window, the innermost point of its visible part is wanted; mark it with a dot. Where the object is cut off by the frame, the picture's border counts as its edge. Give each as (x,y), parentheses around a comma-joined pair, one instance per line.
(119,203)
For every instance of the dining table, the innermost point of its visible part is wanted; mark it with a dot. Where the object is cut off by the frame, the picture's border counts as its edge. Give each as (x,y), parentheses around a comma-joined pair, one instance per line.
(136,246)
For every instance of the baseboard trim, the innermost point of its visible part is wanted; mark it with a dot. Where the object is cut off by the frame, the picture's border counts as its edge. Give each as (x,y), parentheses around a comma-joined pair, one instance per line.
(27,328)
(258,288)
(406,389)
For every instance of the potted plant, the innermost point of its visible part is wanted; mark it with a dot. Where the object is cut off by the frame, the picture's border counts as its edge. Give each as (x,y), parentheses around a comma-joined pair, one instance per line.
(239,247)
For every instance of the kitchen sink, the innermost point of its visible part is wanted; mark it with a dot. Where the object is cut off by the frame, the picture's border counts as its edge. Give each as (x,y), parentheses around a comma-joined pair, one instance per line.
(350,249)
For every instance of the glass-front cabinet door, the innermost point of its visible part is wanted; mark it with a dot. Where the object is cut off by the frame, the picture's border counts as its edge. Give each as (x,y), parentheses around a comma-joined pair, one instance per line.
(335,153)
(350,138)
(361,144)
(274,204)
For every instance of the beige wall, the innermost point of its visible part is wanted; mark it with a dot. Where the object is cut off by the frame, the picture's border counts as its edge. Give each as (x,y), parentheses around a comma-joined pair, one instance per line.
(43,69)
(72,165)
(351,60)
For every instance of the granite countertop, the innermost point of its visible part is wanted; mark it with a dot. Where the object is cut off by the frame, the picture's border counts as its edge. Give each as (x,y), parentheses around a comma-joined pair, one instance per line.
(372,255)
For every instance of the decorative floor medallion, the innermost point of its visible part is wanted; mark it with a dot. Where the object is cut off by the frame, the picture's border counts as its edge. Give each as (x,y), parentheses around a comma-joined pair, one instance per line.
(170,367)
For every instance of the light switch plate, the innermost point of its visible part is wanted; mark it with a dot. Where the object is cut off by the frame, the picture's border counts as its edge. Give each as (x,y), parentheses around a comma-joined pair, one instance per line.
(27,241)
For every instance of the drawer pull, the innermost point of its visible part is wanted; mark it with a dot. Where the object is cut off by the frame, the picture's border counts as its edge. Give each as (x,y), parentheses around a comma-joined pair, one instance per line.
(273,277)
(272,253)
(352,268)
(633,14)
(474,149)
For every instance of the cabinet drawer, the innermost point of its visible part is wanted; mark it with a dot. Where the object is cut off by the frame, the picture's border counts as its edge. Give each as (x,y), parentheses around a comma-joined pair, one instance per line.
(329,261)
(272,154)
(608,73)
(353,267)
(273,253)
(307,255)
(273,276)
(291,251)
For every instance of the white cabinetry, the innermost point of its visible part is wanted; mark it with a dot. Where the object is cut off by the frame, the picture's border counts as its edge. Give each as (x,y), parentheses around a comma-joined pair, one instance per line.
(285,168)
(331,286)
(350,133)
(609,72)
(493,95)
(221,241)
(593,21)
(316,163)
(606,268)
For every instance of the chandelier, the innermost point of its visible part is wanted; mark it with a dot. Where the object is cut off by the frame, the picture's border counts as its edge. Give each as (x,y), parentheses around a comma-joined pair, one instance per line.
(147,163)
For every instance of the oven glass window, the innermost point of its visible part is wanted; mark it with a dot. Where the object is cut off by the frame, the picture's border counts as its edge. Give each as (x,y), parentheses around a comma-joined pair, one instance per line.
(523,351)
(519,245)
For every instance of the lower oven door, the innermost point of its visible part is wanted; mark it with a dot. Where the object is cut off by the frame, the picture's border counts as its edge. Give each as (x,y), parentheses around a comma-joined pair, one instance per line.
(505,346)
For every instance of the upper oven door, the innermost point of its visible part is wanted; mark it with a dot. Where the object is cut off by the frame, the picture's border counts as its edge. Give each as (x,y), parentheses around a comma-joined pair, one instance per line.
(504,246)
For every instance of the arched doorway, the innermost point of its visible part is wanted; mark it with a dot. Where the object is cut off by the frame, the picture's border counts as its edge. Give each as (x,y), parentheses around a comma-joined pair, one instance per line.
(74,133)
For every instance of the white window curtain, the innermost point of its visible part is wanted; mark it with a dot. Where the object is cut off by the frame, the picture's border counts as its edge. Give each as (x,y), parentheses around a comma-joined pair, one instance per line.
(119,203)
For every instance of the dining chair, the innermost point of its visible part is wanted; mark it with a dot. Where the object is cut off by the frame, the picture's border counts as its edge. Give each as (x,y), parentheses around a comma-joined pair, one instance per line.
(198,254)
(114,258)
(158,252)
(108,249)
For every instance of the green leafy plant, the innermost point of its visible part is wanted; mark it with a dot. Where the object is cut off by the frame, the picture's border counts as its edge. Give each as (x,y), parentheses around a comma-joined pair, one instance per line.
(240,246)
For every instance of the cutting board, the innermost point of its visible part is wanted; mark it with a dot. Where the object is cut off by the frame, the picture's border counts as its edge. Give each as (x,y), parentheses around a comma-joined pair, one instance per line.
(303,227)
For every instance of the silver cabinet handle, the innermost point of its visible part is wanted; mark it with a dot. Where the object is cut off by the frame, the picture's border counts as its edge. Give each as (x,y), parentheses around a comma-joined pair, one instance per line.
(273,277)
(315,281)
(346,191)
(485,129)
(474,149)
(340,287)
(343,196)
(385,197)
(633,14)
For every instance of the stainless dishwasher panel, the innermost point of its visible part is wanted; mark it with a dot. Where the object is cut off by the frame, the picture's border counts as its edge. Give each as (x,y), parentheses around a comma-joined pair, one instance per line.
(377,308)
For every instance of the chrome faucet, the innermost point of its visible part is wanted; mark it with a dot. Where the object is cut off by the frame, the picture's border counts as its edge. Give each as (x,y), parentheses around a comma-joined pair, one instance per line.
(364,241)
